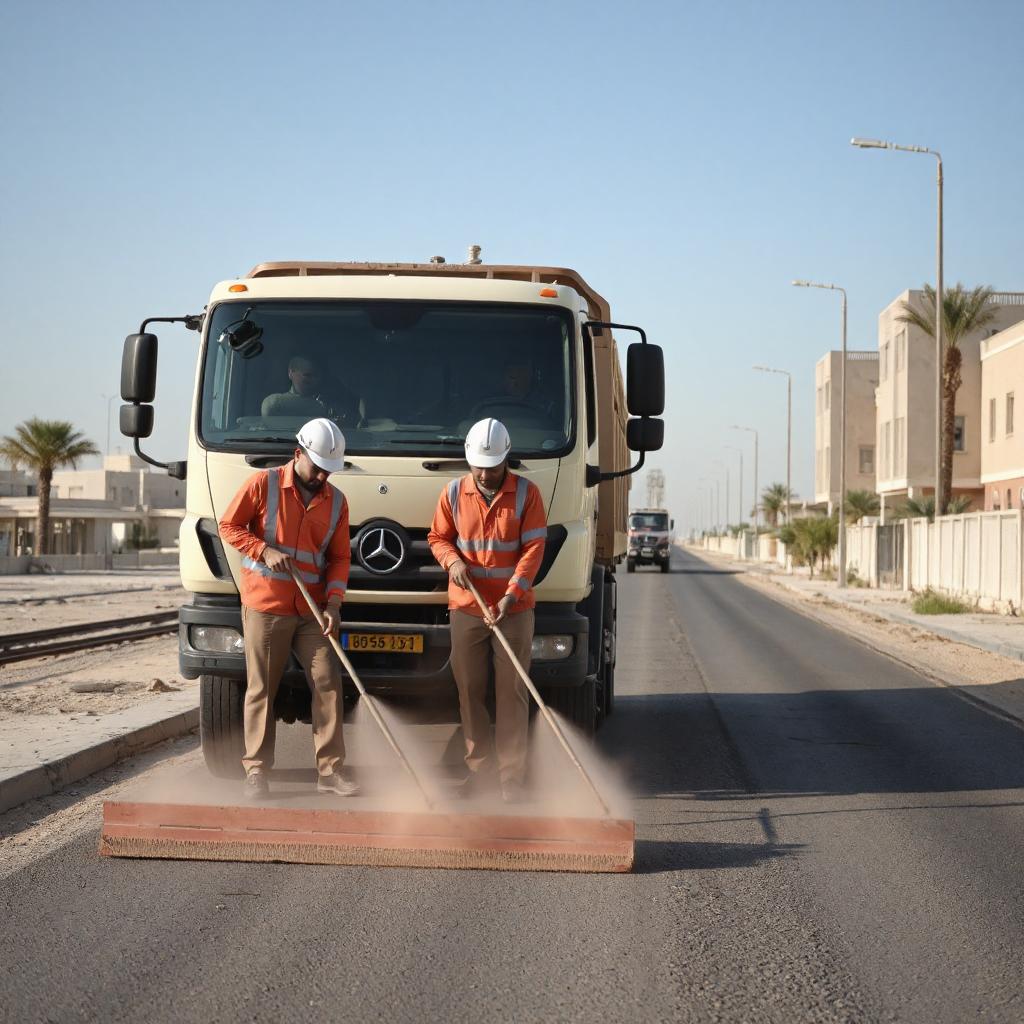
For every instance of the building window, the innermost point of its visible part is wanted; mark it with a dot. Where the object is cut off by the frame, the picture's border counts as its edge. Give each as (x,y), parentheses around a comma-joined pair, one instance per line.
(901,351)
(991,419)
(867,460)
(1009,498)
(884,367)
(959,432)
(899,438)
(828,468)
(828,395)
(1009,414)
(887,449)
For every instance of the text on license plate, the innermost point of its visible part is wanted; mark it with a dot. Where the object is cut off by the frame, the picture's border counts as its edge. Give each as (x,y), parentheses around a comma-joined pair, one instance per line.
(646,551)
(396,643)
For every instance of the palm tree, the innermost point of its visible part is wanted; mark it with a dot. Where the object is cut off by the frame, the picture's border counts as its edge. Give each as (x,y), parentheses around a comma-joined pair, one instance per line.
(924,508)
(774,500)
(811,539)
(43,446)
(860,504)
(963,312)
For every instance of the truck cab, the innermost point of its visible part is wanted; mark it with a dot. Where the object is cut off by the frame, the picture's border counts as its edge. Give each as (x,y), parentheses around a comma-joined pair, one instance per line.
(651,538)
(405,358)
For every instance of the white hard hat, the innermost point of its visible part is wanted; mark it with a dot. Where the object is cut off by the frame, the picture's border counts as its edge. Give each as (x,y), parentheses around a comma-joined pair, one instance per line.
(322,440)
(487,444)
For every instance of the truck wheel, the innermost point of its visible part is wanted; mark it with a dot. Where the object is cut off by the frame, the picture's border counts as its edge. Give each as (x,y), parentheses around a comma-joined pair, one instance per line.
(666,566)
(576,703)
(220,725)
(630,565)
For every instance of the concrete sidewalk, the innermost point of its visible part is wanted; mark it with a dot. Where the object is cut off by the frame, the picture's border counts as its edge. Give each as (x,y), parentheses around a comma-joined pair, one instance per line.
(41,754)
(999,634)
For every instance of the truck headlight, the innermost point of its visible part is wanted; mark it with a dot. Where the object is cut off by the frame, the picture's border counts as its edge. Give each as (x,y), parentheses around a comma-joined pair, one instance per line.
(221,639)
(554,647)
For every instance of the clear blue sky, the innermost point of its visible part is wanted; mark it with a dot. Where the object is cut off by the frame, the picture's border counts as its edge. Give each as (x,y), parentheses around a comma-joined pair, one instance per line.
(689,159)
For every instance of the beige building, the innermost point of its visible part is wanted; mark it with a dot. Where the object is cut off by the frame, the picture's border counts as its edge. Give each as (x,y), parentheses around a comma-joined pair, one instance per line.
(124,480)
(905,415)
(95,511)
(861,381)
(1002,445)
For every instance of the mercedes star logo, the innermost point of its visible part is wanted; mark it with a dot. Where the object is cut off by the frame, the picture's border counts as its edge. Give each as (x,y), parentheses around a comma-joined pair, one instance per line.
(381,550)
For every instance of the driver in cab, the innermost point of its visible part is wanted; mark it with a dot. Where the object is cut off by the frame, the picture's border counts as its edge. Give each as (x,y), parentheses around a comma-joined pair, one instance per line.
(519,399)
(305,397)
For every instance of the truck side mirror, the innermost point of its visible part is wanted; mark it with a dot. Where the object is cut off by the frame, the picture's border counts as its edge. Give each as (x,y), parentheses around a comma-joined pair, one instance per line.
(138,368)
(136,420)
(645,434)
(645,380)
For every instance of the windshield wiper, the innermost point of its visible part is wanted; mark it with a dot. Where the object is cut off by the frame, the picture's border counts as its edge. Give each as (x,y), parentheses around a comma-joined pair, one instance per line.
(413,441)
(247,438)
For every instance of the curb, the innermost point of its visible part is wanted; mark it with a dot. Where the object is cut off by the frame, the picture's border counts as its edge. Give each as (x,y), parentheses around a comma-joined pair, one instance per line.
(51,776)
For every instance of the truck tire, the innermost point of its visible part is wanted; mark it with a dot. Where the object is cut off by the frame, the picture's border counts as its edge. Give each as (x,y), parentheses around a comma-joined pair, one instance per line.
(220,725)
(666,566)
(576,703)
(630,565)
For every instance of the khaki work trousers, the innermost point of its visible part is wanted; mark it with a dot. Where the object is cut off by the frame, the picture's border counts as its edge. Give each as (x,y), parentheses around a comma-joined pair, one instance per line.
(473,646)
(269,640)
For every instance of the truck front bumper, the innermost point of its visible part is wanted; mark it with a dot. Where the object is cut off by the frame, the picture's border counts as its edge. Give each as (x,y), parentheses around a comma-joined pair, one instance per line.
(383,673)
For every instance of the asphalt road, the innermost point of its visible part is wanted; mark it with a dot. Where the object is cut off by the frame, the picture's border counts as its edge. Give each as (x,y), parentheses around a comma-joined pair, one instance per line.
(823,836)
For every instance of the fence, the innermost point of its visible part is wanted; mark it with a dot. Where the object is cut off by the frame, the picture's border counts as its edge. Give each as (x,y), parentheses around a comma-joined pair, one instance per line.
(976,556)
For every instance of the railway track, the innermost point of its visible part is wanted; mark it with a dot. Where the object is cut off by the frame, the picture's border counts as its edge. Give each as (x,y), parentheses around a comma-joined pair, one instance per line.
(41,643)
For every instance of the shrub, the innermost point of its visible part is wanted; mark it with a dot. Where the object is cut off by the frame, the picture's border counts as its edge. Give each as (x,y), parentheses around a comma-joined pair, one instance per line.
(928,602)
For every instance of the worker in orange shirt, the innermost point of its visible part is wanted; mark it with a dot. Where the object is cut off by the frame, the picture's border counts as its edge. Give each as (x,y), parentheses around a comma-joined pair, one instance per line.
(490,527)
(282,520)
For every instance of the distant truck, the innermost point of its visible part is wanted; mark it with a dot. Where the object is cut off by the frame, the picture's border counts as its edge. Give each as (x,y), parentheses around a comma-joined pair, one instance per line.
(650,539)
(406,357)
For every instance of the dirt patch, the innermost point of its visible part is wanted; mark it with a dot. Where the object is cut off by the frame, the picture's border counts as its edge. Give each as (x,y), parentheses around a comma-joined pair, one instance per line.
(44,687)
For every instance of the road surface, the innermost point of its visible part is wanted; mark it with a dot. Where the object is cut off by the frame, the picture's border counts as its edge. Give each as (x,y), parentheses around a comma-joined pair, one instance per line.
(823,836)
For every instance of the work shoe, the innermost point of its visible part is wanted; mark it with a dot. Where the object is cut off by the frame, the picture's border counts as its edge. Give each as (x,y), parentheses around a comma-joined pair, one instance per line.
(337,785)
(513,792)
(256,786)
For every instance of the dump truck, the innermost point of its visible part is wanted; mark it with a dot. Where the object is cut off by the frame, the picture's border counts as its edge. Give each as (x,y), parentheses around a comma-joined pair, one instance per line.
(650,539)
(405,357)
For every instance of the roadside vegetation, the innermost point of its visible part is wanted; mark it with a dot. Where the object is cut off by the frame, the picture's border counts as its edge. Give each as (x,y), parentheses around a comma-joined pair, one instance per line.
(924,508)
(964,311)
(775,499)
(860,504)
(810,540)
(42,446)
(928,602)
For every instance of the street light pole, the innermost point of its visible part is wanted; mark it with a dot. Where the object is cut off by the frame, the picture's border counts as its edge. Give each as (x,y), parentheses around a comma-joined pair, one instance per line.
(789,436)
(757,505)
(739,502)
(940,499)
(842,432)
(109,399)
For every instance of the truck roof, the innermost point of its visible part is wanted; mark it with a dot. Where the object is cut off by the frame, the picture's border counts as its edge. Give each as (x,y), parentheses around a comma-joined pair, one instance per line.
(597,306)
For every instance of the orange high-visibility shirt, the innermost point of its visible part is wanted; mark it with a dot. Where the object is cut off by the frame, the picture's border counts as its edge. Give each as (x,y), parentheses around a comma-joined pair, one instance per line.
(502,543)
(268,510)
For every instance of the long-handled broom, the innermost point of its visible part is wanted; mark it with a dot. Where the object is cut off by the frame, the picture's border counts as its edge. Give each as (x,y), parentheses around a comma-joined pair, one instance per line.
(548,717)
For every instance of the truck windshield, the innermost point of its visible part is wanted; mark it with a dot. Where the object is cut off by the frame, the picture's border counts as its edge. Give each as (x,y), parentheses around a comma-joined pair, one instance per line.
(648,521)
(397,377)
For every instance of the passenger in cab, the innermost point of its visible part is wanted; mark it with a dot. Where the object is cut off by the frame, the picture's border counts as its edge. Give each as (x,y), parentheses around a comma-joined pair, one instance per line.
(311,395)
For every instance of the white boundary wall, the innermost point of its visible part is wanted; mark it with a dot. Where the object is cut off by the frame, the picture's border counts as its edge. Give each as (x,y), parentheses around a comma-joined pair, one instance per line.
(976,556)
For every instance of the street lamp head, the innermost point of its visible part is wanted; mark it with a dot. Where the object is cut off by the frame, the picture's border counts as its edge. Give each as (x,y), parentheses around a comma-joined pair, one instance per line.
(801,284)
(869,143)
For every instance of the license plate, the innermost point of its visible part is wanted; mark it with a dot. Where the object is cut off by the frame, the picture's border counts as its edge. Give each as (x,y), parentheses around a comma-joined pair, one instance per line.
(647,551)
(393,643)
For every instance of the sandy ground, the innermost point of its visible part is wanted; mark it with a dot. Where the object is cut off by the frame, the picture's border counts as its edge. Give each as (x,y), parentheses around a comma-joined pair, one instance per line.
(44,686)
(69,600)
(934,656)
